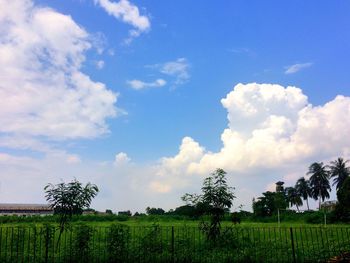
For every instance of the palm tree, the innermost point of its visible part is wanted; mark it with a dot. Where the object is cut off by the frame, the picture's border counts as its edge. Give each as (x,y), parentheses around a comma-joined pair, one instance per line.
(319,182)
(304,190)
(293,197)
(339,171)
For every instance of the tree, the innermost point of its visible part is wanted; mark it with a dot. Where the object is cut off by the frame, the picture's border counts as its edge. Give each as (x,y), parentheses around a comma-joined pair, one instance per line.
(293,197)
(339,171)
(343,194)
(269,203)
(124,213)
(342,209)
(185,210)
(216,198)
(319,182)
(69,199)
(155,211)
(302,186)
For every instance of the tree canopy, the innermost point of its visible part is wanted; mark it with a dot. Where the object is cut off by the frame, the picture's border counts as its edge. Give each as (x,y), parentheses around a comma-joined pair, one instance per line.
(303,189)
(319,181)
(339,172)
(68,199)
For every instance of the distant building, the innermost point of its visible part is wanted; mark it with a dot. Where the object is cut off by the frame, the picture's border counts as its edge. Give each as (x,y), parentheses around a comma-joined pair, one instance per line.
(25,209)
(279,187)
(328,206)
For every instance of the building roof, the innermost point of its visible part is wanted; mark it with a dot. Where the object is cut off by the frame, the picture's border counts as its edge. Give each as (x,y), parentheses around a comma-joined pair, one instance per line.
(42,207)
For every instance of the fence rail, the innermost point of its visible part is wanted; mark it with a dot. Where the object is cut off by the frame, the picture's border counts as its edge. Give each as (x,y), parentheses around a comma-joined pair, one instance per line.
(120,243)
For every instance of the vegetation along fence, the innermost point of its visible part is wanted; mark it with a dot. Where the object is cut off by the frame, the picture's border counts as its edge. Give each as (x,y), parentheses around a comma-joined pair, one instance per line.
(119,243)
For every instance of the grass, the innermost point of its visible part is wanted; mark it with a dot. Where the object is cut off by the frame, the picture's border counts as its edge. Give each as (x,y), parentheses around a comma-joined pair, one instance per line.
(168,221)
(162,239)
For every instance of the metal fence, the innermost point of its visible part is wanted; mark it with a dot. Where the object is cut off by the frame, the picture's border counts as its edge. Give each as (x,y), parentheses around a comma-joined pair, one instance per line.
(120,243)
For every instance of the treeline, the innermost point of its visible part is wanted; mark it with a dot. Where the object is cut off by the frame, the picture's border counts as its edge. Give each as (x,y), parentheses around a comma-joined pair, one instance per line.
(317,187)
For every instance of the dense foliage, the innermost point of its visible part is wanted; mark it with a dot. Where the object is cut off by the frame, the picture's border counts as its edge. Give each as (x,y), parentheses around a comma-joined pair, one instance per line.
(269,203)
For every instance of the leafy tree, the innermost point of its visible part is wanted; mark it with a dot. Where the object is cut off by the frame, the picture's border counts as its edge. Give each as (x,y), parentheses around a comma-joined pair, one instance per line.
(339,171)
(109,212)
(343,193)
(185,210)
(215,200)
(342,209)
(319,182)
(68,199)
(269,203)
(124,213)
(293,197)
(302,186)
(155,211)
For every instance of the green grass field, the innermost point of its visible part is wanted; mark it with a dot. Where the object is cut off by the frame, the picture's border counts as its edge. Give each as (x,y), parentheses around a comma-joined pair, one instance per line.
(163,239)
(94,220)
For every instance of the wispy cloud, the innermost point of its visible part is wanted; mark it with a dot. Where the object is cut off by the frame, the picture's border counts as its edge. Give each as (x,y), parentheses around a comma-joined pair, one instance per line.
(178,69)
(99,64)
(242,50)
(297,67)
(127,13)
(139,84)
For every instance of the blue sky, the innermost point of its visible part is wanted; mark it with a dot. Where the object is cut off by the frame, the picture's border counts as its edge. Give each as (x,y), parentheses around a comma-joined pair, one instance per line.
(157,72)
(225,44)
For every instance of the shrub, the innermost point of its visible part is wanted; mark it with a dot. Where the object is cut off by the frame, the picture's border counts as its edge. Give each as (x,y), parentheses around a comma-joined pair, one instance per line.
(82,242)
(314,217)
(118,239)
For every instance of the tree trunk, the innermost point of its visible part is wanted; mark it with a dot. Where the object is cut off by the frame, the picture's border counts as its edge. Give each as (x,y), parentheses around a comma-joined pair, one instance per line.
(319,200)
(307,203)
(319,203)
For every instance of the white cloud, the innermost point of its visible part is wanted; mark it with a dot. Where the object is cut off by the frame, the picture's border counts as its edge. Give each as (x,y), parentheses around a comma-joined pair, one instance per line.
(72,158)
(297,67)
(121,159)
(138,84)
(273,133)
(43,91)
(178,68)
(100,64)
(173,171)
(160,187)
(128,13)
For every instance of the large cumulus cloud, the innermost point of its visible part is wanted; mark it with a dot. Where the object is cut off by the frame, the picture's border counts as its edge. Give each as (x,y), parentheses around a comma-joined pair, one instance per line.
(272,131)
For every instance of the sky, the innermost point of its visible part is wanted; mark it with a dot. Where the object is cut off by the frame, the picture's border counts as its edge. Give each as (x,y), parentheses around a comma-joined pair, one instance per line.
(146,98)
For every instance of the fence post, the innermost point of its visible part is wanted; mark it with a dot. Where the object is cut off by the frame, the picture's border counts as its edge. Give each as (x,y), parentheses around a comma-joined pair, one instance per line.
(293,248)
(172,245)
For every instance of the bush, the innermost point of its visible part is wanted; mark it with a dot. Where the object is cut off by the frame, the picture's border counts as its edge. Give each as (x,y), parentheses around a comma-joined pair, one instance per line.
(150,243)
(82,242)
(118,239)
(314,217)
